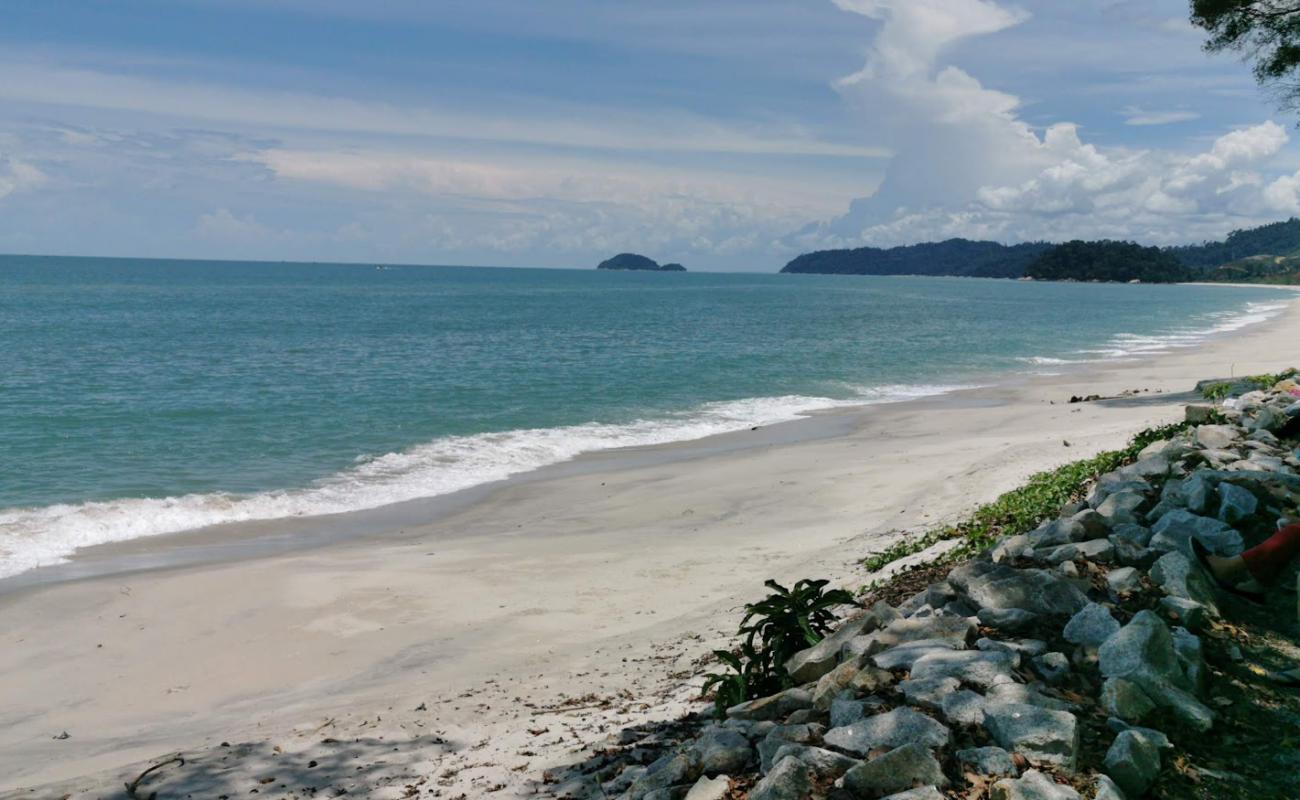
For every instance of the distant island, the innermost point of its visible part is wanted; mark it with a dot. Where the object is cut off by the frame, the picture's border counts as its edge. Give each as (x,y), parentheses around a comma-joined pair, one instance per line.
(1267,254)
(634,261)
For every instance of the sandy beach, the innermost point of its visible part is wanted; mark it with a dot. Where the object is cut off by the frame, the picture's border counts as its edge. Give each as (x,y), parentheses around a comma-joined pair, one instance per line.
(465,654)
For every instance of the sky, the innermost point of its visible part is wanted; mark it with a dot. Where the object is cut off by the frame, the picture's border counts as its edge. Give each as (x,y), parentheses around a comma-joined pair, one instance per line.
(727,135)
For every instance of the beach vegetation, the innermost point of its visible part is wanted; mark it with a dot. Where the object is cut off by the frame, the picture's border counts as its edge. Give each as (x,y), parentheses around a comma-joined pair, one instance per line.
(772,630)
(1021,510)
(1216,391)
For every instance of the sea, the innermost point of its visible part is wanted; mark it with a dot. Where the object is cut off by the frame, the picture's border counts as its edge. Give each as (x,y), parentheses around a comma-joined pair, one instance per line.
(144,397)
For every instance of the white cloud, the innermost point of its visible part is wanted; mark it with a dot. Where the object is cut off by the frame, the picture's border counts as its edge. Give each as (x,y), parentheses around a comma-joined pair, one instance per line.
(968,164)
(17,175)
(1133,115)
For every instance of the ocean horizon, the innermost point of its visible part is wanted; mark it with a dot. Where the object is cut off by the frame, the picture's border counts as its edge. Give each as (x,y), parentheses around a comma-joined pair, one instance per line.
(145,397)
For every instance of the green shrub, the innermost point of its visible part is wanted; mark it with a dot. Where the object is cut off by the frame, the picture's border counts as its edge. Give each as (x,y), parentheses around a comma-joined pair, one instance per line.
(1020,510)
(775,628)
(1216,391)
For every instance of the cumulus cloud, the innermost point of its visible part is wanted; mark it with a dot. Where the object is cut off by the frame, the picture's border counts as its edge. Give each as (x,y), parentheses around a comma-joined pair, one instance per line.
(968,164)
(17,175)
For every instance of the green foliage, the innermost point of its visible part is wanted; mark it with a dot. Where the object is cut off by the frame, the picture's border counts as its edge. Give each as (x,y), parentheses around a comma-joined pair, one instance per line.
(773,630)
(1216,391)
(951,257)
(1266,381)
(1267,31)
(1107,261)
(1274,239)
(1020,510)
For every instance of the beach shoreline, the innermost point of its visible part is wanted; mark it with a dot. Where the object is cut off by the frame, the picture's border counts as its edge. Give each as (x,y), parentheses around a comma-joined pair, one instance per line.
(611,575)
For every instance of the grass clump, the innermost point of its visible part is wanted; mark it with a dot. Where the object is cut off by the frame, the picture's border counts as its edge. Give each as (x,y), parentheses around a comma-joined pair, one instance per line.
(775,628)
(1020,510)
(1216,391)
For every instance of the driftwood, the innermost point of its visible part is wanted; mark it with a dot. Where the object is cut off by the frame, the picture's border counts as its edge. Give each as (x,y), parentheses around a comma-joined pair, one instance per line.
(135,784)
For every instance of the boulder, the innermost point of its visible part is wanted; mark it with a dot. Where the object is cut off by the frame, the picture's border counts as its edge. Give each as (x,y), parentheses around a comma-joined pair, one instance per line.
(987,760)
(1052,667)
(1123,508)
(723,751)
(1191,656)
(1007,620)
(789,780)
(809,665)
(1188,613)
(1126,700)
(1174,531)
(1143,653)
(928,692)
(1027,695)
(710,789)
(1100,550)
(870,680)
(963,707)
(973,667)
(782,735)
(823,763)
(1147,468)
(898,727)
(673,769)
(1026,648)
(1216,437)
(1091,626)
(1123,580)
(1235,503)
(1033,785)
(1106,789)
(906,654)
(902,768)
(1011,548)
(919,793)
(1198,414)
(959,629)
(1133,761)
(987,585)
(777,706)
(1178,576)
(846,711)
(832,683)
(1041,735)
(1267,420)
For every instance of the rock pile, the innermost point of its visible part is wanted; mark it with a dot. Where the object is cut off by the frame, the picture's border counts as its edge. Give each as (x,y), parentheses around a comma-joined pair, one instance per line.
(1000,676)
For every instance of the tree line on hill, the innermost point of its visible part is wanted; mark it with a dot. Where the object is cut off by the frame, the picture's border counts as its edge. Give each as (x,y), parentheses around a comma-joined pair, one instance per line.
(1267,254)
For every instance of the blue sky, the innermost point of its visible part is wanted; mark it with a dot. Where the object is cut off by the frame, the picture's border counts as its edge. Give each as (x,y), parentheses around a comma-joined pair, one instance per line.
(725,135)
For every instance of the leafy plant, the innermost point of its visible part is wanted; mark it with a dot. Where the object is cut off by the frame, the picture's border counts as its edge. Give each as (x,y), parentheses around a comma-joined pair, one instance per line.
(773,630)
(1020,510)
(1216,391)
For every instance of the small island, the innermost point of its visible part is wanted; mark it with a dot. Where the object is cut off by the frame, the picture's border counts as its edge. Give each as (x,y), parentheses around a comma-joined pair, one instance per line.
(634,261)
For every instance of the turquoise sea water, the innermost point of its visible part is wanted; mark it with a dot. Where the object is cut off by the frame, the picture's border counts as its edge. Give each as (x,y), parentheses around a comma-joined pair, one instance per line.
(144,397)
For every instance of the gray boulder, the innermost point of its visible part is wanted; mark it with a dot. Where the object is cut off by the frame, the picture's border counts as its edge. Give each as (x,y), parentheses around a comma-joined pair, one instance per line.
(832,683)
(1123,508)
(1040,735)
(846,711)
(1147,468)
(823,763)
(895,728)
(1217,437)
(1143,652)
(901,768)
(1100,550)
(1191,656)
(1188,613)
(1106,789)
(789,780)
(673,769)
(1091,626)
(1027,695)
(710,789)
(964,707)
(1235,503)
(928,692)
(1123,580)
(987,585)
(973,667)
(1126,700)
(1033,785)
(1174,531)
(1025,648)
(1007,620)
(1052,667)
(1178,576)
(782,735)
(723,751)
(1133,761)
(919,793)
(988,760)
(809,665)
(906,654)
(777,706)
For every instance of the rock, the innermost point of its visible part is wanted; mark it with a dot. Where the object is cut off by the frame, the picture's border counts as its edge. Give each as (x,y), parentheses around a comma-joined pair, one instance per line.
(1106,789)
(782,735)
(1216,437)
(870,680)
(1040,735)
(1198,414)
(1123,580)
(1174,530)
(710,789)
(806,715)
(1235,503)
(1123,508)
(919,793)
(789,780)
(1011,548)
(1052,667)
(832,683)
(1126,700)
(1191,656)
(722,750)
(809,665)
(1033,785)
(906,654)
(1145,468)
(1091,626)
(1100,550)
(1268,420)
(1143,653)
(1292,410)
(846,712)
(1264,437)
(1007,620)
(895,728)
(1188,613)
(777,706)
(1026,695)
(1133,761)
(1177,576)
(673,769)
(988,585)
(1026,648)
(958,629)
(1068,569)
(899,769)
(988,760)
(1131,532)
(963,707)
(823,763)
(928,692)
(973,667)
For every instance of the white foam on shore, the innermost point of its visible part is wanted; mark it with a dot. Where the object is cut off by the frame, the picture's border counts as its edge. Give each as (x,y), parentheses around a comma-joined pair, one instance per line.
(34,537)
